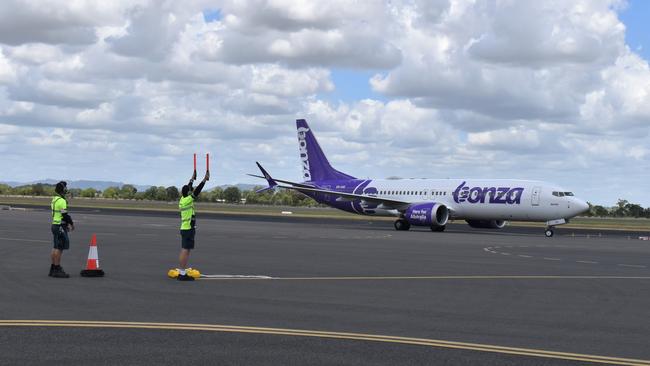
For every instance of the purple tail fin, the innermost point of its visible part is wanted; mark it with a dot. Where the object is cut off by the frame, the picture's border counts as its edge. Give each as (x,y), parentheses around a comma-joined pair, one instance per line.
(315,166)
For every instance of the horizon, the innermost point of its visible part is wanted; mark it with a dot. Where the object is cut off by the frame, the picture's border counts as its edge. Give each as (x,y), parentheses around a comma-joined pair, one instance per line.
(249,186)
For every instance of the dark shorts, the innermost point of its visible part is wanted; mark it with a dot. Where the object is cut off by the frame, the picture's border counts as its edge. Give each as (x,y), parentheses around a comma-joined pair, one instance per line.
(60,238)
(187,238)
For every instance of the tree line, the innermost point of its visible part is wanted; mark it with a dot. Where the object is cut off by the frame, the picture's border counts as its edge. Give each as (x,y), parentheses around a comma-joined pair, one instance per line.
(171,193)
(623,208)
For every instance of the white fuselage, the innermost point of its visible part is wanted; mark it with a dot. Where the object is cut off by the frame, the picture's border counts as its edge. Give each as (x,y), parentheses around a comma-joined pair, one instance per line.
(479,199)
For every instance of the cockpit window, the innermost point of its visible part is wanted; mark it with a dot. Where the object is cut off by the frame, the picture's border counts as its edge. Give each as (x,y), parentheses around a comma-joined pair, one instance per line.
(568,193)
(558,194)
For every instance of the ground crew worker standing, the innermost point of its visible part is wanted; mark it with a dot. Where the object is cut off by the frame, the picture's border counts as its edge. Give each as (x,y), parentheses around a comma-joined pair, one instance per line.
(61,224)
(188,223)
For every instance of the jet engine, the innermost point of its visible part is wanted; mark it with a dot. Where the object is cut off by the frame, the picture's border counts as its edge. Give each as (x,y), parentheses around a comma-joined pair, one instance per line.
(487,224)
(434,215)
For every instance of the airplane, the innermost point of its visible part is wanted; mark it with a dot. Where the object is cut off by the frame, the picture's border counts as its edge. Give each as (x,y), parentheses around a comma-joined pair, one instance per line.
(482,203)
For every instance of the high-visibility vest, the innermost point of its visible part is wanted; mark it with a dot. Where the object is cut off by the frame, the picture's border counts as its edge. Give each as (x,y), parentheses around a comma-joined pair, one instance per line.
(186,205)
(59,207)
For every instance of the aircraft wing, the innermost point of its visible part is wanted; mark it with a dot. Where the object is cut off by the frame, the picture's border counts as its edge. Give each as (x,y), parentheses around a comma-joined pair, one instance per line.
(285,181)
(383,203)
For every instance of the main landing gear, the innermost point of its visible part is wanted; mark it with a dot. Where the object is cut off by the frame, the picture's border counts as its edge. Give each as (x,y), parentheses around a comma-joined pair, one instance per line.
(402,225)
(437,228)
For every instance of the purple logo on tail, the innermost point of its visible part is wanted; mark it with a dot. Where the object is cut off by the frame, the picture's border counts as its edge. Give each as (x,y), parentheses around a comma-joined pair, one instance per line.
(304,156)
(497,195)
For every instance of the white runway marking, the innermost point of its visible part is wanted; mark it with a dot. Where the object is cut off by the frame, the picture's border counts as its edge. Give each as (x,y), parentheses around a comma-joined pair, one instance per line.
(237,276)
(30,240)
(494,250)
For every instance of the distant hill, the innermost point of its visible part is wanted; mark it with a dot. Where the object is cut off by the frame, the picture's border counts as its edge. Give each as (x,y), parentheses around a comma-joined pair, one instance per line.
(102,185)
(81,184)
(241,186)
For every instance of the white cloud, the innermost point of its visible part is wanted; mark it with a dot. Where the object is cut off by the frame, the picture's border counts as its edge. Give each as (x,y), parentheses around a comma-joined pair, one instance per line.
(57,138)
(7,69)
(303,34)
(513,138)
(55,22)
(494,89)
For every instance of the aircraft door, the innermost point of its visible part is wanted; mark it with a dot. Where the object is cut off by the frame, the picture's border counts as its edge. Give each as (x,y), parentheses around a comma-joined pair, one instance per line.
(534,196)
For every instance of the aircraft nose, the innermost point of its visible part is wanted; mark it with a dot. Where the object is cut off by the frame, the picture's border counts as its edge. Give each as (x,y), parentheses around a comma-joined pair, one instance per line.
(581,206)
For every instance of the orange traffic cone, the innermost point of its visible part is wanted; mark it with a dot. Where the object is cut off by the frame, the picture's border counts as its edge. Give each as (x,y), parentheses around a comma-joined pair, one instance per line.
(92,265)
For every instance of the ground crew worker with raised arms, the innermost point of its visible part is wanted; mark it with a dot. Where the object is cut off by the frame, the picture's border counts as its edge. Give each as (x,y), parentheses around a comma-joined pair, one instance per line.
(188,222)
(61,223)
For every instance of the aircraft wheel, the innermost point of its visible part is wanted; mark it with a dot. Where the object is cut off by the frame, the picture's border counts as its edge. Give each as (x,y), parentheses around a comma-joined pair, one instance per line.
(402,225)
(548,233)
(438,228)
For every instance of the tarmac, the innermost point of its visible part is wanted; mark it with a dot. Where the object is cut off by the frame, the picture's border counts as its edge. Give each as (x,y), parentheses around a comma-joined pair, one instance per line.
(329,292)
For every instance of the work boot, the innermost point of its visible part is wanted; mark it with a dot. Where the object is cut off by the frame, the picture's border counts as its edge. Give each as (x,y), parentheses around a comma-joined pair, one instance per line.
(185,277)
(51,270)
(59,272)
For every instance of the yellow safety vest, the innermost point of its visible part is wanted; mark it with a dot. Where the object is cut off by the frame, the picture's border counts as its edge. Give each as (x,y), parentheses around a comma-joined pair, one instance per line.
(59,206)
(186,205)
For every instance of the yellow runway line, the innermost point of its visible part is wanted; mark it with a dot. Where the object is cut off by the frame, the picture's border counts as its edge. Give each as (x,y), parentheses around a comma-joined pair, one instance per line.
(330,335)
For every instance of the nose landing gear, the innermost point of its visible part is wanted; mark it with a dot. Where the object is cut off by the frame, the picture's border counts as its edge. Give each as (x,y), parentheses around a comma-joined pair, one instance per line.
(550,225)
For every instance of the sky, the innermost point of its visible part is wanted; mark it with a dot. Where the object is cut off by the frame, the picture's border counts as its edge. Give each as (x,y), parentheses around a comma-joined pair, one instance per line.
(128,90)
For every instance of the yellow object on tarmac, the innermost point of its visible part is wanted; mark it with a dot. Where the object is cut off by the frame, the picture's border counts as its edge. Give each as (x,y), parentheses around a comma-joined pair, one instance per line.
(173,273)
(193,273)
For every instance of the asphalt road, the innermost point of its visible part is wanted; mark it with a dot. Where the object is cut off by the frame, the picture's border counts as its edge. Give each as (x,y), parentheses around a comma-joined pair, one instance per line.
(340,293)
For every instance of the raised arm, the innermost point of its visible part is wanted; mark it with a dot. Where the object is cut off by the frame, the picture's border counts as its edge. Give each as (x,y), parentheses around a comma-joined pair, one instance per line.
(198,189)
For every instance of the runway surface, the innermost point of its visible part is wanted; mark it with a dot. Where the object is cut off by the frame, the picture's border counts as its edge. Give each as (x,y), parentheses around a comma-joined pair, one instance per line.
(341,292)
